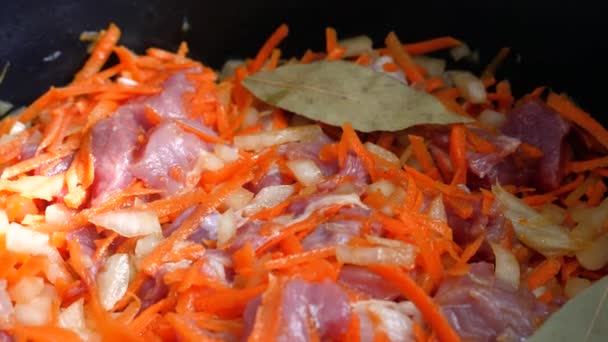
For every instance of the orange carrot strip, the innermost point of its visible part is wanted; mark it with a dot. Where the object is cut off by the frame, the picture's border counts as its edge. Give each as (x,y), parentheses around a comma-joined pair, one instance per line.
(471,249)
(268,317)
(44,333)
(430,311)
(349,136)
(291,245)
(549,196)
(480,144)
(149,314)
(279,121)
(305,225)
(336,54)
(274,59)
(587,165)
(421,152)
(244,260)
(100,54)
(331,39)
(128,60)
(596,193)
(186,330)
(433,83)
(457,154)
(490,70)
(33,163)
(364,59)
(402,58)
(571,112)
(266,49)
(544,272)
(183,49)
(431,45)
(295,259)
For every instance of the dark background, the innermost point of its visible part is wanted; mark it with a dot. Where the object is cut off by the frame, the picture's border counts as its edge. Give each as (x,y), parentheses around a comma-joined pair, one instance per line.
(561,44)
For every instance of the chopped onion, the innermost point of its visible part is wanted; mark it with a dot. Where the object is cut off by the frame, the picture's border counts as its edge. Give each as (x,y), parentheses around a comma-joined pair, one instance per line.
(43,187)
(129,222)
(534,230)
(469,86)
(26,241)
(388,242)
(591,221)
(32,219)
(26,289)
(435,67)
(226,227)
(436,209)
(553,213)
(395,320)
(385,187)
(268,197)
(238,199)
(73,318)
(595,256)
(226,153)
(383,153)
(305,171)
(38,310)
(113,280)
(210,161)
(17,128)
(261,140)
(126,81)
(575,285)
(492,118)
(6,305)
(58,214)
(3,221)
(363,256)
(252,117)
(230,66)
(460,51)
(146,244)
(356,46)
(330,200)
(507,266)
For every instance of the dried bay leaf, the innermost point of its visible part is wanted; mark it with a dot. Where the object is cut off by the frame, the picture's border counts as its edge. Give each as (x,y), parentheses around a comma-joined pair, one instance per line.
(583,318)
(335,92)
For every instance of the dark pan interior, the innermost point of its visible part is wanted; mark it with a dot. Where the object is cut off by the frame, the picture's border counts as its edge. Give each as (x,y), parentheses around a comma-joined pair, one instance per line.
(559,44)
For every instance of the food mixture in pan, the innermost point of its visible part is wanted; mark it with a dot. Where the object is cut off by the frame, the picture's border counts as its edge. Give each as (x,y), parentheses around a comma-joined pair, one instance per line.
(362,193)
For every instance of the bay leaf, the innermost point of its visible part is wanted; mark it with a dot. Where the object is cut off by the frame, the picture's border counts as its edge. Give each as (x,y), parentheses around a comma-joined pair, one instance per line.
(583,318)
(335,92)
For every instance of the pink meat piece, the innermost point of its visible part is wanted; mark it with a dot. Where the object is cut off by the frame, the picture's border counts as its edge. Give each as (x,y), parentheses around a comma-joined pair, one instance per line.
(85,237)
(273,177)
(168,147)
(114,141)
(333,233)
(367,282)
(170,102)
(207,229)
(535,123)
(248,232)
(152,290)
(482,308)
(482,164)
(324,303)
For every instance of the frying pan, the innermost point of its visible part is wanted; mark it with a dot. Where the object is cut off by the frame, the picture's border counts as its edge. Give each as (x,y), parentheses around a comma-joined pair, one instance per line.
(560,45)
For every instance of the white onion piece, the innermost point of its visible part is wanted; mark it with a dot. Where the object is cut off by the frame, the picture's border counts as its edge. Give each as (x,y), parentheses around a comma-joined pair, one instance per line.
(58,214)
(591,221)
(492,118)
(261,140)
(533,229)
(388,242)
(436,209)
(553,213)
(31,219)
(238,199)
(226,153)
(268,197)
(363,256)
(129,222)
(575,285)
(507,266)
(385,187)
(469,85)
(209,161)
(226,227)
(330,200)
(145,246)
(460,51)
(356,46)
(26,289)
(305,171)
(17,128)
(113,280)
(230,66)
(43,187)
(38,310)
(6,305)
(26,241)
(435,67)
(73,318)
(594,256)
(252,117)
(381,152)
(396,320)
(4,224)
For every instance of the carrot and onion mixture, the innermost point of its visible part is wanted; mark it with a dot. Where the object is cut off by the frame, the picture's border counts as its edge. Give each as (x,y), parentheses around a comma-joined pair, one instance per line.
(156,199)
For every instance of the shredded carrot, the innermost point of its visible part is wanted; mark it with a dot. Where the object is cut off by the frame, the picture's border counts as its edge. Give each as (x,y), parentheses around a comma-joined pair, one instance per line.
(292,260)
(490,70)
(544,272)
(571,112)
(457,154)
(430,311)
(431,45)
(331,39)
(100,54)
(587,165)
(402,58)
(267,48)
